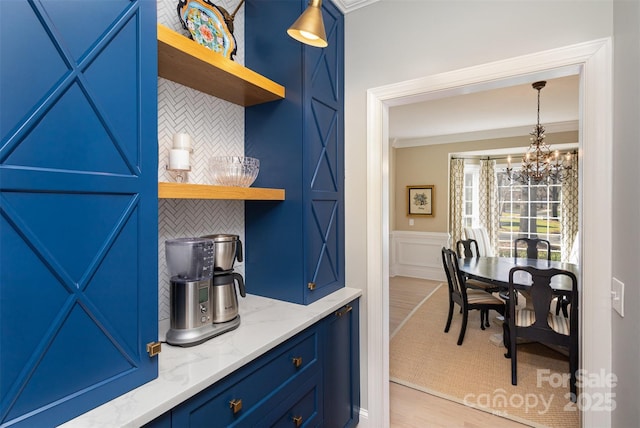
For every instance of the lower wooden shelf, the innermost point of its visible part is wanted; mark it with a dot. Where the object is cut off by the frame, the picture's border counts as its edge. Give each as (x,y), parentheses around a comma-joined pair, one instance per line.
(206,191)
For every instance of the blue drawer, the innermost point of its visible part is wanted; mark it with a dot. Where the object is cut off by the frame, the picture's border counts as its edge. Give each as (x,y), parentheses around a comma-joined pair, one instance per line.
(250,387)
(303,408)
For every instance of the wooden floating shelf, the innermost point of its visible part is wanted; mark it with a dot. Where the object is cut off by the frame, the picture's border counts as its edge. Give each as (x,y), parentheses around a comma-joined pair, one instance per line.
(190,64)
(205,191)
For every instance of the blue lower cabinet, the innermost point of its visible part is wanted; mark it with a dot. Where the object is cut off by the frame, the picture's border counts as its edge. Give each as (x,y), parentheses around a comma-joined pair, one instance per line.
(311,380)
(341,366)
(244,397)
(301,409)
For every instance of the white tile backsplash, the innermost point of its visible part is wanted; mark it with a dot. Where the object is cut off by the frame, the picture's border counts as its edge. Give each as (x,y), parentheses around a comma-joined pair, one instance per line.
(216,128)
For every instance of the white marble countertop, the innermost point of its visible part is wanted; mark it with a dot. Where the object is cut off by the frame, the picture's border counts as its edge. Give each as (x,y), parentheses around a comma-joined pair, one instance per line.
(183,372)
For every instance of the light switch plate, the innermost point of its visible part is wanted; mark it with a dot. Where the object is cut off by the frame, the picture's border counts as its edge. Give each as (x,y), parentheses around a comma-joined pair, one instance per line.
(617,296)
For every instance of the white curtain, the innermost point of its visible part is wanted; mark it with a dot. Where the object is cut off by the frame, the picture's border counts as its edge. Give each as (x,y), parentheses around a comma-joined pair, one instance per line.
(488,199)
(569,206)
(456,189)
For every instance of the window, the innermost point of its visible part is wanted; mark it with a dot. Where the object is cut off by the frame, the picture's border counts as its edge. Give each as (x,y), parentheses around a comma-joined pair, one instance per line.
(471,213)
(528,211)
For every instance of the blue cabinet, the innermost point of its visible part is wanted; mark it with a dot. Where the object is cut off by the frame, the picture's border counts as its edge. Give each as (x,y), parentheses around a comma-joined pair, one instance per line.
(78,205)
(311,380)
(341,363)
(248,396)
(295,249)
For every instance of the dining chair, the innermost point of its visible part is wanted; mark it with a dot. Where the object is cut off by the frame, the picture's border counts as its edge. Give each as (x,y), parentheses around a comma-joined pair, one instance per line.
(540,324)
(482,238)
(467,299)
(533,247)
(468,248)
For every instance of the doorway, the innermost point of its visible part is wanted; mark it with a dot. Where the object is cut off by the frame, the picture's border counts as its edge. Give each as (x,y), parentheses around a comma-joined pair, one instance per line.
(592,61)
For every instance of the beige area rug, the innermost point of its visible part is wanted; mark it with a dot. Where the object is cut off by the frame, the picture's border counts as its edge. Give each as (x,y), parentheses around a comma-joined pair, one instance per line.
(423,357)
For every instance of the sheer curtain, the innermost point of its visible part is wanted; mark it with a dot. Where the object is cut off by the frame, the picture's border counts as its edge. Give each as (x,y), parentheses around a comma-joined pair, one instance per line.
(569,207)
(488,201)
(456,189)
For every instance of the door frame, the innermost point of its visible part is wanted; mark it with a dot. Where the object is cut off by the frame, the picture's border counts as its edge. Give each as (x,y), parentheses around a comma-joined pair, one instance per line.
(593,62)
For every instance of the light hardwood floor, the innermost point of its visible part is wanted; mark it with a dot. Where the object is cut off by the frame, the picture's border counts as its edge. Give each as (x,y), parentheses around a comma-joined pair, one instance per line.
(410,408)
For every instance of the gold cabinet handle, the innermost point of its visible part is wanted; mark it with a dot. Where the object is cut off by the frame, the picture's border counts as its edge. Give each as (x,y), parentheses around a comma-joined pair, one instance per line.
(311,286)
(297,421)
(154,348)
(297,361)
(344,311)
(235,405)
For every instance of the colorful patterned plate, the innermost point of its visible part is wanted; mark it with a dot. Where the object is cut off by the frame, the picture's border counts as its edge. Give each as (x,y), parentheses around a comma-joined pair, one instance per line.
(206,25)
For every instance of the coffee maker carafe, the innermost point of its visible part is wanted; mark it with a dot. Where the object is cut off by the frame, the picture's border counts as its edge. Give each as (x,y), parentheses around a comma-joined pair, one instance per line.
(227,249)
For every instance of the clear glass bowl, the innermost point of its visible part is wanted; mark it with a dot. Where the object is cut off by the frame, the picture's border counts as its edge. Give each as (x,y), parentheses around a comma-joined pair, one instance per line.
(236,171)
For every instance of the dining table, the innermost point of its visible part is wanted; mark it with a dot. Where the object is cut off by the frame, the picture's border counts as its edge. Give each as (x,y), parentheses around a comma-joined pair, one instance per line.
(495,271)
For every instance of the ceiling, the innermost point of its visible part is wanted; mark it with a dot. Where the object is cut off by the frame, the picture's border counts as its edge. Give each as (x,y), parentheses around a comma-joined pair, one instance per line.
(496,113)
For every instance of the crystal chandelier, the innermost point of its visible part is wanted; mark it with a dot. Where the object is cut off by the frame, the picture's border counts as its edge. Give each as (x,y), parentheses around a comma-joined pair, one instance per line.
(539,164)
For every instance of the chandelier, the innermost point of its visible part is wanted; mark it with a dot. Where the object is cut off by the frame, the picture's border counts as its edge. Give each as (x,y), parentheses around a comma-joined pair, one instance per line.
(539,164)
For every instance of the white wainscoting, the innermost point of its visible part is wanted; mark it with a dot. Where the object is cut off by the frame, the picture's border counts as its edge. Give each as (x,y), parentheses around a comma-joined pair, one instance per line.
(417,254)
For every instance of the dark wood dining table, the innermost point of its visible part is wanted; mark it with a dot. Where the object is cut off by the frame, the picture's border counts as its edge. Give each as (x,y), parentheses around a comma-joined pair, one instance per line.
(495,270)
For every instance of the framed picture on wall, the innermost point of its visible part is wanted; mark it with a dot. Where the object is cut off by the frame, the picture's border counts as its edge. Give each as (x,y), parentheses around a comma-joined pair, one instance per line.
(420,200)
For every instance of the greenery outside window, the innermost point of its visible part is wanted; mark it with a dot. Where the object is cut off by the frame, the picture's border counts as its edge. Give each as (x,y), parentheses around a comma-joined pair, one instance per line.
(529,211)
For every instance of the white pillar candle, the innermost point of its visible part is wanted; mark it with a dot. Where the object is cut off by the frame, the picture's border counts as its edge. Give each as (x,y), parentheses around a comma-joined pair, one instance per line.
(182,141)
(179,160)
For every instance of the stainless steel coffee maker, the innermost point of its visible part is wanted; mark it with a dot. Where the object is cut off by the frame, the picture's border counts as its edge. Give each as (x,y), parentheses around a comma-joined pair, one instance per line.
(227,249)
(191,264)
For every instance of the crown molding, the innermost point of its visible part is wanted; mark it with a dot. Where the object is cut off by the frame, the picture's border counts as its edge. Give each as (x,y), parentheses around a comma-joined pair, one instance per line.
(483,135)
(347,6)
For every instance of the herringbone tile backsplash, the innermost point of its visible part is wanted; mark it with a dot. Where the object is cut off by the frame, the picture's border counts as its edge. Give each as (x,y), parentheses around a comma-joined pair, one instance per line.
(217,129)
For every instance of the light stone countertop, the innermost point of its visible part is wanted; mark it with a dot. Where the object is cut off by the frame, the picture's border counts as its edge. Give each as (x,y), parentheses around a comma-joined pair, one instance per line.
(184,372)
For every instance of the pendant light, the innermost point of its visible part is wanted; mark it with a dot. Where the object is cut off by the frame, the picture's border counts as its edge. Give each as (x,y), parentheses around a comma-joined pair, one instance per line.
(309,27)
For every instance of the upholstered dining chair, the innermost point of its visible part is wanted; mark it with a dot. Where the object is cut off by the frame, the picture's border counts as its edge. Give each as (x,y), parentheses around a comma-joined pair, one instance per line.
(468,248)
(467,299)
(533,247)
(540,324)
(480,235)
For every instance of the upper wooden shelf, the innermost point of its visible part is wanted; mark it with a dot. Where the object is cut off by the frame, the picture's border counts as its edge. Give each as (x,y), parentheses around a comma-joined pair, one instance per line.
(205,191)
(186,62)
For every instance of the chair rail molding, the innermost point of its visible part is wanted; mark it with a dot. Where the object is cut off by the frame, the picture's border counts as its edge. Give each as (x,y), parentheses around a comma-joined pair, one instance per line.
(417,254)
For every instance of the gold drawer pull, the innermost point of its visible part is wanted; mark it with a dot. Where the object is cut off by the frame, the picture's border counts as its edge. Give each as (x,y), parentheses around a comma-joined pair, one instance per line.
(297,361)
(297,421)
(311,286)
(344,310)
(235,405)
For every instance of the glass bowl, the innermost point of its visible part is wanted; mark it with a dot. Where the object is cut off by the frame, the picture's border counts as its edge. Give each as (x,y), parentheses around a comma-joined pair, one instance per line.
(235,171)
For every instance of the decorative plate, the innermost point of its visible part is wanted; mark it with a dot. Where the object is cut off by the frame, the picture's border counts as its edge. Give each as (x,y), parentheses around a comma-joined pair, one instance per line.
(205,23)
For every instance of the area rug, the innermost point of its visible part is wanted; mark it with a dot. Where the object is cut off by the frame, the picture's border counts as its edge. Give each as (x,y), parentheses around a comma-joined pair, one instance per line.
(423,357)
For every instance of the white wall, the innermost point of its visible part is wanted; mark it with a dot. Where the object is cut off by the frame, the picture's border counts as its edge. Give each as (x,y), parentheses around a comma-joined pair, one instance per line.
(396,40)
(626,209)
